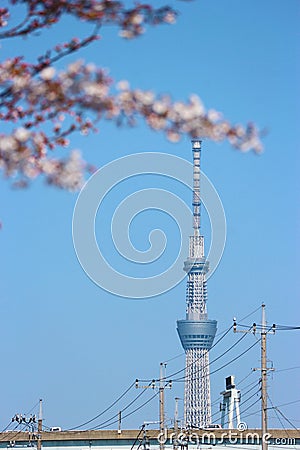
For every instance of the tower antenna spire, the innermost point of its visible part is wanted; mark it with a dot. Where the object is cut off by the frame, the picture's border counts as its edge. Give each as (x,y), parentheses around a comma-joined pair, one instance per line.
(196,146)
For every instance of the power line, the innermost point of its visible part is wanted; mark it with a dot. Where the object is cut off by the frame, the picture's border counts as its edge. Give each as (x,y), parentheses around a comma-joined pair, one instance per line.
(141,406)
(246,401)
(246,387)
(222,337)
(250,314)
(186,366)
(249,407)
(18,432)
(242,402)
(287,327)
(286,404)
(214,345)
(16,426)
(105,410)
(243,318)
(218,400)
(228,363)
(117,414)
(28,412)
(130,413)
(288,368)
(274,326)
(280,412)
(6,427)
(174,357)
(137,438)
(225,332)
(249,390)
(214,360)
(282,424)
(245,378)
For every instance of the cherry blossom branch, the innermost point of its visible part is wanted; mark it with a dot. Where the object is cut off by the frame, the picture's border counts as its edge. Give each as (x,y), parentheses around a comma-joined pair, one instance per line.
(67,97)
(45,13)
(4,15)
(43,108)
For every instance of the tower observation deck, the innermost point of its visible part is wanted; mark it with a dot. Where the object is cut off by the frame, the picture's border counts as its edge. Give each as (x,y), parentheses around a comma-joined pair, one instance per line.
(196,331)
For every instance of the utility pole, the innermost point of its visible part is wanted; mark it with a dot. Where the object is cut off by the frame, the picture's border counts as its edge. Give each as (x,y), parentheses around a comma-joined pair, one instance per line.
(161,398)
(175,446)
(119,422)
(264,398)
(162,385)
(264,370)
(40,426)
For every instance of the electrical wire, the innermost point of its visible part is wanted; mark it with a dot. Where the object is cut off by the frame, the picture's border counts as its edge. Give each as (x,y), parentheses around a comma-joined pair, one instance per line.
(214,360)
(219,340)
(141,406)
(105,410)
(246,401)
(249,407)
(282,424)
(288,368)
(242,412)
(279,419)
(228,363)
(243,318)
(182,370)
(174,357)
(136,439)
(281,413)
(6,427)
(250,314)
(287,327)
(275,327)
(289,403)
(35,406)
(226,331)
(245,378)
(253,383)
(124,409)
(247,392)
(234,359)
(16,426)
(99,427)
(16,434)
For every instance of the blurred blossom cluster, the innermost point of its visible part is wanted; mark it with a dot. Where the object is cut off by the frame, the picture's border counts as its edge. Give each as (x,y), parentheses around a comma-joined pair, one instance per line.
(42,106)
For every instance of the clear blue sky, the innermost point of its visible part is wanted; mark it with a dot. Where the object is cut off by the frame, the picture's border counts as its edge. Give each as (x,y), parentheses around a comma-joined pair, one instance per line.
(78,347)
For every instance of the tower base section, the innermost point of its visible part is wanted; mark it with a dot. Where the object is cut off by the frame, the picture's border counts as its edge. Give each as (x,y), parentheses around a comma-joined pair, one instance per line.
(197,408)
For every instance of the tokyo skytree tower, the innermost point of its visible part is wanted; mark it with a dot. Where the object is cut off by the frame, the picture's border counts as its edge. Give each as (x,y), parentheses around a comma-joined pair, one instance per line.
(196,332)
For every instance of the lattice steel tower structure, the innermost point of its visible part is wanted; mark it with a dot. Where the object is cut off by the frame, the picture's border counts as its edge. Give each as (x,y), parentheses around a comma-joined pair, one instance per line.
(196,332)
